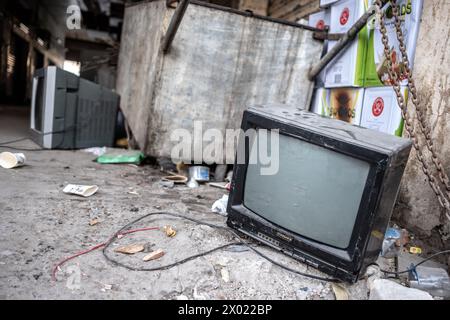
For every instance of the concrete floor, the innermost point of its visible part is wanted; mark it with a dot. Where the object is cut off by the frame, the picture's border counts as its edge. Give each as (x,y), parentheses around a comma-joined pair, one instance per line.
(41,225)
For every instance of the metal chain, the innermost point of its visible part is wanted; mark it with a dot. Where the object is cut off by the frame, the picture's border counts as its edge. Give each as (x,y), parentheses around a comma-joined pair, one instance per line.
(409,124)
(419,112)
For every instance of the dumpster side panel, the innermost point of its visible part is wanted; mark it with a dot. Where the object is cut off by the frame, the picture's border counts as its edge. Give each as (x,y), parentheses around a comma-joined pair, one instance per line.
(221,63)
(139,64)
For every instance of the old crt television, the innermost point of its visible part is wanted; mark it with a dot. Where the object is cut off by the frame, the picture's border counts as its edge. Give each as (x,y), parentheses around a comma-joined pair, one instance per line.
(331,200)
(68,112)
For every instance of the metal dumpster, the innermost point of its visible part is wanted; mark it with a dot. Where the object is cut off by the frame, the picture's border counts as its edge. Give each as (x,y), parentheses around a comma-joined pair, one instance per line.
(220,62)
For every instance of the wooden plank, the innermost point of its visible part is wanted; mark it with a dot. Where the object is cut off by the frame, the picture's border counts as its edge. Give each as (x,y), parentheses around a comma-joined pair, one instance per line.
(290,7)
(257,6)
(302,12)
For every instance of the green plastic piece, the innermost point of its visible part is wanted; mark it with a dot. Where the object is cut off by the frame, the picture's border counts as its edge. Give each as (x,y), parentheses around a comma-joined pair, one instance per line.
(121,158)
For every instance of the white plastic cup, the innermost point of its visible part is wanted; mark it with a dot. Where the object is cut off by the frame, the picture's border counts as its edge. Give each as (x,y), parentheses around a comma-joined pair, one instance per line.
(9,160)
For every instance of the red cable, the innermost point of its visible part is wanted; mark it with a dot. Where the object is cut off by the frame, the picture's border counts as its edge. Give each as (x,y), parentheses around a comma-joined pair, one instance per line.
(57,266)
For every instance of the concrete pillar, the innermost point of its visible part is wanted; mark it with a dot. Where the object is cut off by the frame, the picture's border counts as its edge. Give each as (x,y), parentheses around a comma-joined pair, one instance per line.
(418,207)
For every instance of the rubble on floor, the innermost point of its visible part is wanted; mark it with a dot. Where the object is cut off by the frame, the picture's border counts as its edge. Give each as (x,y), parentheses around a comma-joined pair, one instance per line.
(384,289)
(42,225)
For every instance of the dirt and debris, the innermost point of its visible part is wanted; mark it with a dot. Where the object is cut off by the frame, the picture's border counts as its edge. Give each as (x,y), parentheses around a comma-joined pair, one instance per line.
(42,225)
(154,255)
(130,248)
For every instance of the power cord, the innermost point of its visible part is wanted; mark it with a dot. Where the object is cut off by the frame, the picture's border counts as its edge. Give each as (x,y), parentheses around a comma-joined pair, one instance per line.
(165,267)
(5,143)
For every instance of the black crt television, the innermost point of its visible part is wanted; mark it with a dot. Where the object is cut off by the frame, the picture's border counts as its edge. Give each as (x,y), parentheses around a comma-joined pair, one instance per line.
(69,112)
(331,200)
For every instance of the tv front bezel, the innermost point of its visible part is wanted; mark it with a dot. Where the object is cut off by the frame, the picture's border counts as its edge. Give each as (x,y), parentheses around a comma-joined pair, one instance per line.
(48,76)
(345,264)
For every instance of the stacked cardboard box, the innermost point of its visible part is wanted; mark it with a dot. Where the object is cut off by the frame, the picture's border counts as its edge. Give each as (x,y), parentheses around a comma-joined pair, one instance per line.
(376,73)
(321,20)
(327,3)
(339,103)
(357,80)
(381,111)
(347,69)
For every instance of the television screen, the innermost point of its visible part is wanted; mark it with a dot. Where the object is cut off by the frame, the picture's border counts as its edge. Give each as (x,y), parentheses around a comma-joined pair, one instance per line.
(321,191)
(39,103)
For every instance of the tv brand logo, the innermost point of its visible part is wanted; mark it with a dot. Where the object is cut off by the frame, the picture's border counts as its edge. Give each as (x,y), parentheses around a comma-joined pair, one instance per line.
(345,15)
(73,21)
(378,107)
(211,147)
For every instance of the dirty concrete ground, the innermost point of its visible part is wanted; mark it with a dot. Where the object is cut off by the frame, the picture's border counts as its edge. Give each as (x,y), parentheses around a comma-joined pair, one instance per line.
(41,225)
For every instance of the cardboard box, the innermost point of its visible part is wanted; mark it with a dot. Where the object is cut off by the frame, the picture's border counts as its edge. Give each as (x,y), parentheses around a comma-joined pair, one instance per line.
(320,20)
(318,104)
(327,3)
(339,103)
(347,69)
(376,65)
(381,111)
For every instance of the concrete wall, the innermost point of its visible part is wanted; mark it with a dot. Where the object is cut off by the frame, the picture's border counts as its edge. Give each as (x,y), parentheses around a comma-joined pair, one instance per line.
(418,207)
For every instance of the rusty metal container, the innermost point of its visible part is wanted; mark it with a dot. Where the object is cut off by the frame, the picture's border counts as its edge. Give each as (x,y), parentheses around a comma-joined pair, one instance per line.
(220,62)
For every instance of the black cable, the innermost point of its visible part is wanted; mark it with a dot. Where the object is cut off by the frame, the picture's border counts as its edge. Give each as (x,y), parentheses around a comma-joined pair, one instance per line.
(239,242)
(413,267)
(12,141)
(22,149)
(5,144)
(28,138)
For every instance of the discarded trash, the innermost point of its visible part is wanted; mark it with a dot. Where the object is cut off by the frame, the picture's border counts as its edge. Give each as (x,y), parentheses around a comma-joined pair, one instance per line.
(166,184)
(415,250)
(392,243)
(9,160)
(154,255)
(133,192)
(182,169)
(192,183)
(130,248)
(93,222)
(225,275)
(134,158)
(97,151)
(220,185)
(383,289)
(176,179)
(199,173)
(122,143)
(170,232)
(80,190)
(340,292)
(106,287)
(220,206)
(435,281)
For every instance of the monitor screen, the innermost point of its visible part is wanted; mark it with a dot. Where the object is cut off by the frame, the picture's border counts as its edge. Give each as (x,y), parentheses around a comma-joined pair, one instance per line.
(39,104)
(315,194)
